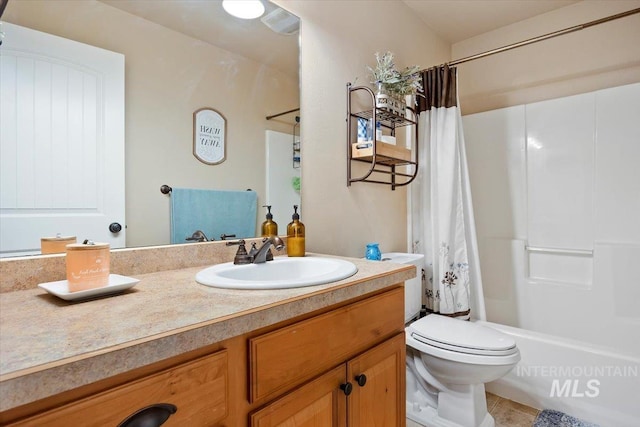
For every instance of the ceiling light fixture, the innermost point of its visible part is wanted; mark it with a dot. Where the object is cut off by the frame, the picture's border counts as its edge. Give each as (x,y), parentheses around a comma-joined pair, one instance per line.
(244,9)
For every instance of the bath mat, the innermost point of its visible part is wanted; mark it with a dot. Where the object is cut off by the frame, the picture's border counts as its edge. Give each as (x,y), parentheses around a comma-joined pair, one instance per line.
(551,418)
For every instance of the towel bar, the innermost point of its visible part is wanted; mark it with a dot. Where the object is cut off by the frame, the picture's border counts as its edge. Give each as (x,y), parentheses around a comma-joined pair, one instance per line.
(583,252)
(165,189)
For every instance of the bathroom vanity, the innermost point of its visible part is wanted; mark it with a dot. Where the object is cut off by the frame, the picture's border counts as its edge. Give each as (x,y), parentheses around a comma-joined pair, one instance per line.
(329,353)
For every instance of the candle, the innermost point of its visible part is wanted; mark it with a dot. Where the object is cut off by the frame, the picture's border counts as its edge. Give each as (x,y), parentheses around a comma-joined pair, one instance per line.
(56,245)
(87,265)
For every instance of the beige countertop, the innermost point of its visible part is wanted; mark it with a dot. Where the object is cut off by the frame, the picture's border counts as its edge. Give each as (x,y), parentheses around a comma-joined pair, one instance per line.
(49,345)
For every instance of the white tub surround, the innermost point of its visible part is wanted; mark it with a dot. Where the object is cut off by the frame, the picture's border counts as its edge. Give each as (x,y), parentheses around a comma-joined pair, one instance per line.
(582,380)
(556,186)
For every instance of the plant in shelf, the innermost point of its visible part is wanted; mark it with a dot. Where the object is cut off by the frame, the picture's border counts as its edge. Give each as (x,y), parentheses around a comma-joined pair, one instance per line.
(392,85)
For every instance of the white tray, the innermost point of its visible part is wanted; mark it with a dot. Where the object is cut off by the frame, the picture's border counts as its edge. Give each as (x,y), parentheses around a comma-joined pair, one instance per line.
(117,283)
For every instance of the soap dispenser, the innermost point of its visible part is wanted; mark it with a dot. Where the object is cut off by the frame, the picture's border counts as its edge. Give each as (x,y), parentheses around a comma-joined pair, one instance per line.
(295,235)
(269,226)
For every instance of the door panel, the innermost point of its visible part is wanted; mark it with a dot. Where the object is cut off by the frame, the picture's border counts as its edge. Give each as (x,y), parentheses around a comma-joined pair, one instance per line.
(61,139)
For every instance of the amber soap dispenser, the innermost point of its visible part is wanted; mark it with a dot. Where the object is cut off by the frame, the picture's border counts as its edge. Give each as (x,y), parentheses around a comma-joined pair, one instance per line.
(295,235)
(269,226)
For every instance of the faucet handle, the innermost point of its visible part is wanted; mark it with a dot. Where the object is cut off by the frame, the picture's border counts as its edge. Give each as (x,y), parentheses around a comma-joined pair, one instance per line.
(237,242)
(254,250)
(242,257)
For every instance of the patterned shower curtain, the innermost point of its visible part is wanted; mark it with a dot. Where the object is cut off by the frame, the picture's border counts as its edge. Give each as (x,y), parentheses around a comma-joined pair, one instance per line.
(442,216)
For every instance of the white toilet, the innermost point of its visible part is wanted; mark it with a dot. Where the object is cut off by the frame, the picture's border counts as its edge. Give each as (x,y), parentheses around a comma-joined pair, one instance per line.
(448,361)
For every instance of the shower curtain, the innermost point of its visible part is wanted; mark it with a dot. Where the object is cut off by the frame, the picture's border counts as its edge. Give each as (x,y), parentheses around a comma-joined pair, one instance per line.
(442,225)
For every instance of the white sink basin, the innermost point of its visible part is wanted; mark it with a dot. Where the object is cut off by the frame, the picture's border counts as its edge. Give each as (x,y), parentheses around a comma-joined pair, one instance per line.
(282,272)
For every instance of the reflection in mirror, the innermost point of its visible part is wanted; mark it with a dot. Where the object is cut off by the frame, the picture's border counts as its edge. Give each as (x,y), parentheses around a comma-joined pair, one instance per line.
(179,56)
(283,177)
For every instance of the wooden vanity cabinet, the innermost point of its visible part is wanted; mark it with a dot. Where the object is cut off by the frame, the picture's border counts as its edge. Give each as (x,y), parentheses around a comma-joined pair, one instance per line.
(301,372)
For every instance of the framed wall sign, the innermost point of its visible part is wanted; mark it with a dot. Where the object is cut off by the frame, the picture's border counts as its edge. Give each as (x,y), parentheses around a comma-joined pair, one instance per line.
(209,131)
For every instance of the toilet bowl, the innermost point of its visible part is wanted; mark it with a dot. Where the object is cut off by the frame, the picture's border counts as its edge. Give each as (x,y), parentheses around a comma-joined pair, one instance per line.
(453,360)
(448,363)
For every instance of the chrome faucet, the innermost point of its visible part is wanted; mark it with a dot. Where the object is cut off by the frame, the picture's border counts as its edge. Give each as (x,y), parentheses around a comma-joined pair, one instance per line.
(262,255)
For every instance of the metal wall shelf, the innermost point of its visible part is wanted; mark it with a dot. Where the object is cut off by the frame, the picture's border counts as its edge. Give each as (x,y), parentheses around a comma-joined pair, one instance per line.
(383,159)
(386,118)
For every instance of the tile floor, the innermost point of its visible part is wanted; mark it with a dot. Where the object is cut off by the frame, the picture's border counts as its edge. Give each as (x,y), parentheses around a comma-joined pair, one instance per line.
(507,413)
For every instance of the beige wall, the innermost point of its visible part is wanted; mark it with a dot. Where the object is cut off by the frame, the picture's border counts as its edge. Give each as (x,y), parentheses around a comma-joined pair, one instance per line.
(338,41)
(339,38)
(168,76)
(594,58)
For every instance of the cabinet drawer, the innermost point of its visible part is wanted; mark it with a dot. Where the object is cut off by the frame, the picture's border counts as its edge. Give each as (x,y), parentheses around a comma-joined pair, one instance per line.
(288,356)
(198,389)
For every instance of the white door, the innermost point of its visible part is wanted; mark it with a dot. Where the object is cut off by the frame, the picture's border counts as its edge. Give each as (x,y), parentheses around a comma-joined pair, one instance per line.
(61,141)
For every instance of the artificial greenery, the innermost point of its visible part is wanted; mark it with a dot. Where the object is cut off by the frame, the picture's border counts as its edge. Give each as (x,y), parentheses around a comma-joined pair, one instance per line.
(385,70)
(295,182)
(400,83)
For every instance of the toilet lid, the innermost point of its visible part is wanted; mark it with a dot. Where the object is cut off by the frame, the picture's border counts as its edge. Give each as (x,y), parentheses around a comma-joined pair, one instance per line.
(462,336)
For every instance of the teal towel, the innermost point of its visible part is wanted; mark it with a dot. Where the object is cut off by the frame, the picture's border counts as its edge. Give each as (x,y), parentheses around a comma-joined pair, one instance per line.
(215,212)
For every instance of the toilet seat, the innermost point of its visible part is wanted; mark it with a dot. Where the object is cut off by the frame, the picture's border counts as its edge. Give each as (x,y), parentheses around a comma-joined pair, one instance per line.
(462,341)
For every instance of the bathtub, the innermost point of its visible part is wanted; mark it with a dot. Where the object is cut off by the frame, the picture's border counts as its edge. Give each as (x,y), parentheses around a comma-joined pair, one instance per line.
(582,380)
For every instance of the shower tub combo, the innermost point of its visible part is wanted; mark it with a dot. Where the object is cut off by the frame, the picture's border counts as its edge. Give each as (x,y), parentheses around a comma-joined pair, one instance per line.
(580,379)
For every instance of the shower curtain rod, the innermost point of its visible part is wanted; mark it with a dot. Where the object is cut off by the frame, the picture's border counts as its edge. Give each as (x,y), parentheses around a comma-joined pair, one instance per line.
(282,114)
(543,37)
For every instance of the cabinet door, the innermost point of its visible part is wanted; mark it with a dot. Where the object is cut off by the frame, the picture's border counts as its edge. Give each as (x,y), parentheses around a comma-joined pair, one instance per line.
(320,402)
(378,398)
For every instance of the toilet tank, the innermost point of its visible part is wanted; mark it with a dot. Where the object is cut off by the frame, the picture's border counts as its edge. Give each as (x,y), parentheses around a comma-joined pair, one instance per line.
(413,287)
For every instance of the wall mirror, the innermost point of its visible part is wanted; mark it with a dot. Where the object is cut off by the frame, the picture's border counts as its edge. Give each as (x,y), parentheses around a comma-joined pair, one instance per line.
(180,56)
